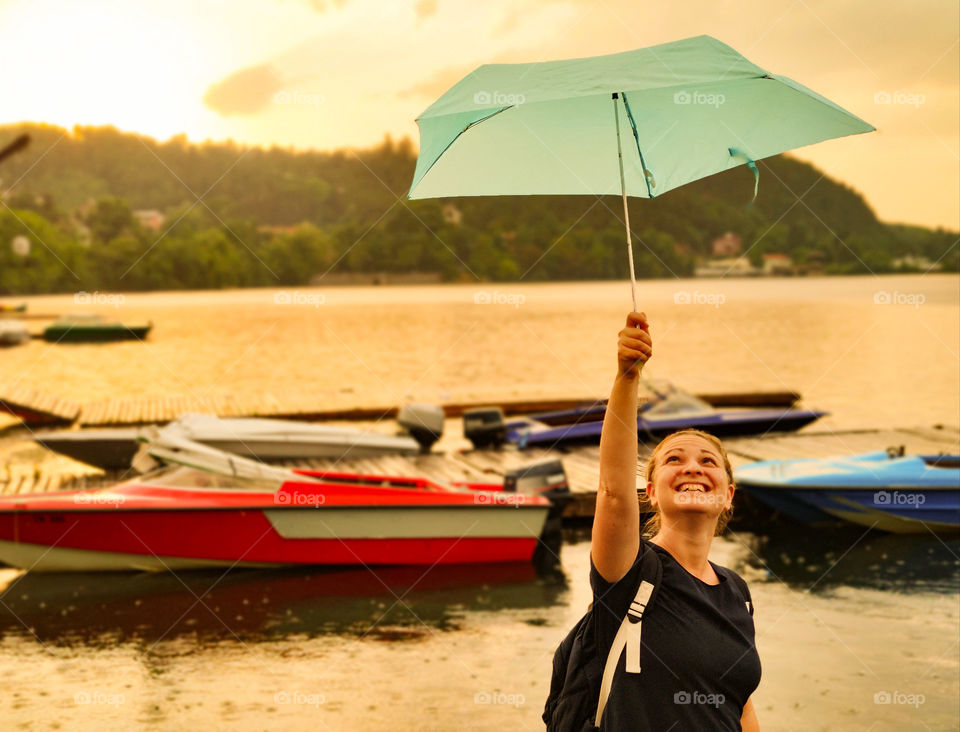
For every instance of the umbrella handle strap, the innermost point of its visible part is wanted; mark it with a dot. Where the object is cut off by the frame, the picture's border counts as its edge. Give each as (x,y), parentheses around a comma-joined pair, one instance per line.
(740,155)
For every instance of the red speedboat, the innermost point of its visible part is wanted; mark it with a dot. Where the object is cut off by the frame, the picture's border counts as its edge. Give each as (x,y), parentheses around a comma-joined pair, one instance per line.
(184,518)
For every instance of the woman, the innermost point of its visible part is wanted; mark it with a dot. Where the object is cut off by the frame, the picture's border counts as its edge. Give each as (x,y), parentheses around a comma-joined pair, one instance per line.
(699,664)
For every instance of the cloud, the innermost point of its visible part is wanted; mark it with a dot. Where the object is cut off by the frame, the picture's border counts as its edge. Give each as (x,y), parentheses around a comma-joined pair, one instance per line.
(244,92)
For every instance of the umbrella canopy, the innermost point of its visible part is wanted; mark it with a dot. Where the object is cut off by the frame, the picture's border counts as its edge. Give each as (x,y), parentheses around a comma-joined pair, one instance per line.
(689,109)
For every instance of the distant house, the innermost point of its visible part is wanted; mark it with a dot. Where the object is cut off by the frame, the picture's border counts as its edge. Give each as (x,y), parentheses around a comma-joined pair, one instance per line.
(913,263)
(150,218)
(452,215)
(728,245)
(777,264)
(728,267)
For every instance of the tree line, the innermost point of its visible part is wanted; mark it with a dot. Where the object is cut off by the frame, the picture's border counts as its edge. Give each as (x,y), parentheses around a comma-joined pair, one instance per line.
(239,216)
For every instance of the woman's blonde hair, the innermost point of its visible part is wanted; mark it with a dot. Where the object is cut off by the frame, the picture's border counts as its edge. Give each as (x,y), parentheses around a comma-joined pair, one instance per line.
(652,526)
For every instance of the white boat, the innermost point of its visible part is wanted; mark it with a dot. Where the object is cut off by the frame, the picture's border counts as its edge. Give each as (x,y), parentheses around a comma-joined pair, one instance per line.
(263,439)
(13,333)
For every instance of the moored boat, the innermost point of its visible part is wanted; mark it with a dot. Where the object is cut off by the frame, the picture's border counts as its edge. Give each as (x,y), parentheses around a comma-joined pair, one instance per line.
(13,333)
(670,409)
(886,490)
(261,438)
(230,512)
(93,329)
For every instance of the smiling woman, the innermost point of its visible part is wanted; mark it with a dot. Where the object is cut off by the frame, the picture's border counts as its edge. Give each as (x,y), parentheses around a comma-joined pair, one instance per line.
(698,661)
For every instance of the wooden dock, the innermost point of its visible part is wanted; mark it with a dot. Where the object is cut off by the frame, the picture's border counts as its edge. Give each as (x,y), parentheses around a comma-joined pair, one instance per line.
(37,408)
(582,464)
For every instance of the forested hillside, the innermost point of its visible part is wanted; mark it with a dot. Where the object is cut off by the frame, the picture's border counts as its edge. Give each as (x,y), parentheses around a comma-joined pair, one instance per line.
(236,216)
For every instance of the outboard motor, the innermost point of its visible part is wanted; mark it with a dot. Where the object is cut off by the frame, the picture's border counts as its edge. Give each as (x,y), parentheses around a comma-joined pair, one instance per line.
(424,422)
(484,427)
(547,479)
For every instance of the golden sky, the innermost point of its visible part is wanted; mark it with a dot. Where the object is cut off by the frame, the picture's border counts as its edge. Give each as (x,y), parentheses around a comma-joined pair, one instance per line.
(326,74)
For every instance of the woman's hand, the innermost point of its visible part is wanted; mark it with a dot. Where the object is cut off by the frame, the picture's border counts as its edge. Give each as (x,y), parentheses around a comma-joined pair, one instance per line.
(634,347)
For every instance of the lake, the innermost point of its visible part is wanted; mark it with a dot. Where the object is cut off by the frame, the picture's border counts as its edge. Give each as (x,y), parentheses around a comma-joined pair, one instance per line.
(856,630)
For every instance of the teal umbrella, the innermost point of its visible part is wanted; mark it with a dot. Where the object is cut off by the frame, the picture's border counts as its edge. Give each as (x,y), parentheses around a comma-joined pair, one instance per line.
(688,109)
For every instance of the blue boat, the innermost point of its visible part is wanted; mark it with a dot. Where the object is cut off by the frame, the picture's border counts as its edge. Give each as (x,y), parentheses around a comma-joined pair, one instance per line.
(885,490)
(670,409)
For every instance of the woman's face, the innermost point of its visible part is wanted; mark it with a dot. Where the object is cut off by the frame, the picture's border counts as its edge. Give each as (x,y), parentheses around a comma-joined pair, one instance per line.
(689,477)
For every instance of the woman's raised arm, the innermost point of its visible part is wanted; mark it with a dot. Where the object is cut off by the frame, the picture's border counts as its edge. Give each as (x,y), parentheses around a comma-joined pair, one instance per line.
(616,524)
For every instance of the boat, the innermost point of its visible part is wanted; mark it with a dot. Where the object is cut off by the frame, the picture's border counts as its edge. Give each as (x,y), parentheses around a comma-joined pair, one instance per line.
(13,333)
(886,490)
(205,508)
(669,409)
(264,439)
(93,329)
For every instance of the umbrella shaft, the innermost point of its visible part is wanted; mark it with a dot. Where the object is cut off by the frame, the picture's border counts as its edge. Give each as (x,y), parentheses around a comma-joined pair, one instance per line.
(626,212)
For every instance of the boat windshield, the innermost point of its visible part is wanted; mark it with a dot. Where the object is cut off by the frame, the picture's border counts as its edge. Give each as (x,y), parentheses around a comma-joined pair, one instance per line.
(669,401)
(184,477)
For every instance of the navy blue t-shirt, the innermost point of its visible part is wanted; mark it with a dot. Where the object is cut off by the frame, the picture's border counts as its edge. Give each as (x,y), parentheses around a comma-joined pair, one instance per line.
(698,661)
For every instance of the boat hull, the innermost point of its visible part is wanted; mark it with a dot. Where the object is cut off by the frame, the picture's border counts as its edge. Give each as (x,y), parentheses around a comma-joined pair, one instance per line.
(895,494)
(95,334)
(114,449)
(731,423)
(340,519)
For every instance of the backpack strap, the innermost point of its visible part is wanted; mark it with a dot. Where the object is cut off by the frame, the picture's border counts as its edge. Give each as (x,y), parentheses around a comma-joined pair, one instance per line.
(628,635)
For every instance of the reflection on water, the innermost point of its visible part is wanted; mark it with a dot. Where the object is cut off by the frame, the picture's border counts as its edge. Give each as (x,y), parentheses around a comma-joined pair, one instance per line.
(824,558)
(390,603)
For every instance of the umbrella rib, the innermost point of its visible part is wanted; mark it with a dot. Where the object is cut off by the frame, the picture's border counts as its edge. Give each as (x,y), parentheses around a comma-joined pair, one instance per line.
(450,144)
